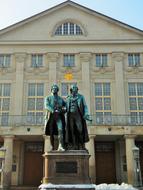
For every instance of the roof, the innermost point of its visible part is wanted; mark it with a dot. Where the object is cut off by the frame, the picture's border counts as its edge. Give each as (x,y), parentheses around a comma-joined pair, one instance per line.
(71,3)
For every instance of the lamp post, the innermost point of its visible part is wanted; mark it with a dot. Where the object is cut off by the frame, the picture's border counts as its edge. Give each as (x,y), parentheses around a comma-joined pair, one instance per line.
(137,170)
(2,159)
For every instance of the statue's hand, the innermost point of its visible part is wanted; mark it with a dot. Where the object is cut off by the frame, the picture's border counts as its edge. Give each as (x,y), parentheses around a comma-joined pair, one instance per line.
(64,109)
(87,117)
(52,110)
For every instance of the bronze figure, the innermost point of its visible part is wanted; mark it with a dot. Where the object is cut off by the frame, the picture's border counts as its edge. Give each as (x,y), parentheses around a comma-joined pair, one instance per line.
(77,114)
(55,119)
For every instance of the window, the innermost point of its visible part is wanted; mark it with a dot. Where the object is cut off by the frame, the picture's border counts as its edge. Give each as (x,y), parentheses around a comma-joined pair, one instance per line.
(68,28)
(101,60)
(133,59)
(34,147)
(37,60)
(103,103)
(35,103)
(135,91)
(4,103)
(69,60)
(5,60)
(65,89)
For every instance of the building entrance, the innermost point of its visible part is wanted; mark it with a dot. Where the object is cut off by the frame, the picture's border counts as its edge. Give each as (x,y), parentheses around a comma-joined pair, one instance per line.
(105,162)
(33,164)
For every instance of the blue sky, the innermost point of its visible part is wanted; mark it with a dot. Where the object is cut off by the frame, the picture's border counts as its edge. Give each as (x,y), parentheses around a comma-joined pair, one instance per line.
(127,11)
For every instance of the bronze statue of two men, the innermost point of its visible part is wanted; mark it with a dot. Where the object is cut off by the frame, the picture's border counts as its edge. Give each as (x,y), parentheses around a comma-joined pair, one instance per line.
(67,119)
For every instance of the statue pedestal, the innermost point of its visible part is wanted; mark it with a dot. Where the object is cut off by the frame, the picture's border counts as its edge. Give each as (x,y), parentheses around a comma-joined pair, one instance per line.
(65,169)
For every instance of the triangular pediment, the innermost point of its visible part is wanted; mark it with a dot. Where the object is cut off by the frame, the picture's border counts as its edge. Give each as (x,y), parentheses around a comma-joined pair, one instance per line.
(96,26)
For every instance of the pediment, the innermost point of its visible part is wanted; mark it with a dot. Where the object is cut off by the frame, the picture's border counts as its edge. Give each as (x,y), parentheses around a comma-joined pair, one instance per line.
(95,25)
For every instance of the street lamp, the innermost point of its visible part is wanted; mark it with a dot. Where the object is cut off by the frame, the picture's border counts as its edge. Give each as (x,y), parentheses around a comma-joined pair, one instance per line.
(2,158)
(137,170)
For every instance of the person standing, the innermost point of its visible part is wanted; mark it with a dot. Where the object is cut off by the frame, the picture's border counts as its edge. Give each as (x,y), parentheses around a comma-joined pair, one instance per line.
(55,119)
(77,114)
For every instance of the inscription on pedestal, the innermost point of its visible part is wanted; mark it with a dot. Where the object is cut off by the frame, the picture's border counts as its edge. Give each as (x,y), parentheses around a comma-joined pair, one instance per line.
(66,167)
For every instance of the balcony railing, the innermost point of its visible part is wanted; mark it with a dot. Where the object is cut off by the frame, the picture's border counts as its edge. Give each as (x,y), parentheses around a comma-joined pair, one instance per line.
(22,120)
(114,120)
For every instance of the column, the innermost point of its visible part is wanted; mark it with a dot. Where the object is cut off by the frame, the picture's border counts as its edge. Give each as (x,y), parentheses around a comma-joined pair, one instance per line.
(85,62)
(118,58)
(19,83)
(91,148)
(8,144)
(47,144)
(52,59)
(130,143)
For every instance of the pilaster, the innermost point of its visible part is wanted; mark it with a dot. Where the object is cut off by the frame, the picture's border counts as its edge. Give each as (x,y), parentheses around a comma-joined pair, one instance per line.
(20,61)
(85,62)
(52,59)
(118,58)
(7,174)
(91,148)
(130,143)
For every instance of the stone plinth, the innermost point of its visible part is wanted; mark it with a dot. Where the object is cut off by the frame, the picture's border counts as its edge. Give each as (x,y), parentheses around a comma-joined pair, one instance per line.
(68,167)
(67,187)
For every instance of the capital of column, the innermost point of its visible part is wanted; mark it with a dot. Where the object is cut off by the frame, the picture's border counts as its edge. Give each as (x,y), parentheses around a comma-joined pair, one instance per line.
(20,57)
(92,137)
(53,56)
(46,137)
(8,136)
(85,56)
(130,136)
(118,56)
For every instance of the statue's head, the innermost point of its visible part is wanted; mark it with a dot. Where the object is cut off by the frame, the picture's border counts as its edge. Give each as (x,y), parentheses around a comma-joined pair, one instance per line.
(73,88)
(54,88)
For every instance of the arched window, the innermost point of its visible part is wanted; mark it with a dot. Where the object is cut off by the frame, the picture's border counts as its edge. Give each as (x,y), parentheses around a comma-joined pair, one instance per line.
(68,28)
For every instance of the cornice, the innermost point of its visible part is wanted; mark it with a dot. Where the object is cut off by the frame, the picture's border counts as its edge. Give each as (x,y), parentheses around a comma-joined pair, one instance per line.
(134,70)
(63,41)
(118,56)
(6,70)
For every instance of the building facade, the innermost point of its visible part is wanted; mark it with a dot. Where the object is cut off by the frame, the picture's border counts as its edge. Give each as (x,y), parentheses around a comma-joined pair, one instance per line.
(70,44)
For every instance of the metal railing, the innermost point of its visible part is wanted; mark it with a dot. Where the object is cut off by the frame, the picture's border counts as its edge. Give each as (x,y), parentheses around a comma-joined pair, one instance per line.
(21,120)
(114,120)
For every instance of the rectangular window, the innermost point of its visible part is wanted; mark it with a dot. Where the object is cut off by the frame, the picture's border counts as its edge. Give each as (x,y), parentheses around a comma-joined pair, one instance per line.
(65,89)
(135,91)
(103,103)
(101,60)
(5,60)
(37,60)
(133,59)
(35,104)
(69,60)
(4,103)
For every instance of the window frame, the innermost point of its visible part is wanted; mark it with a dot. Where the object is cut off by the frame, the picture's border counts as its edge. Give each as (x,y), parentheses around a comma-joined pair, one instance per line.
(69,60)
(5,95)
(103,116)
(100,60)
(38,62)
(135,107)
(35,113)
(68,28)
(5,60)
(134,59)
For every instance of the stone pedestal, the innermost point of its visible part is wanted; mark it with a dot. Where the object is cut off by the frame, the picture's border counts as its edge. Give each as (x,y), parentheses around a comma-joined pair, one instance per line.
(66,170)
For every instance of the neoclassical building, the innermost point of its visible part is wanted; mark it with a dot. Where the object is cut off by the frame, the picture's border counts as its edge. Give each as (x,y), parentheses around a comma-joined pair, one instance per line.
(68,44)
